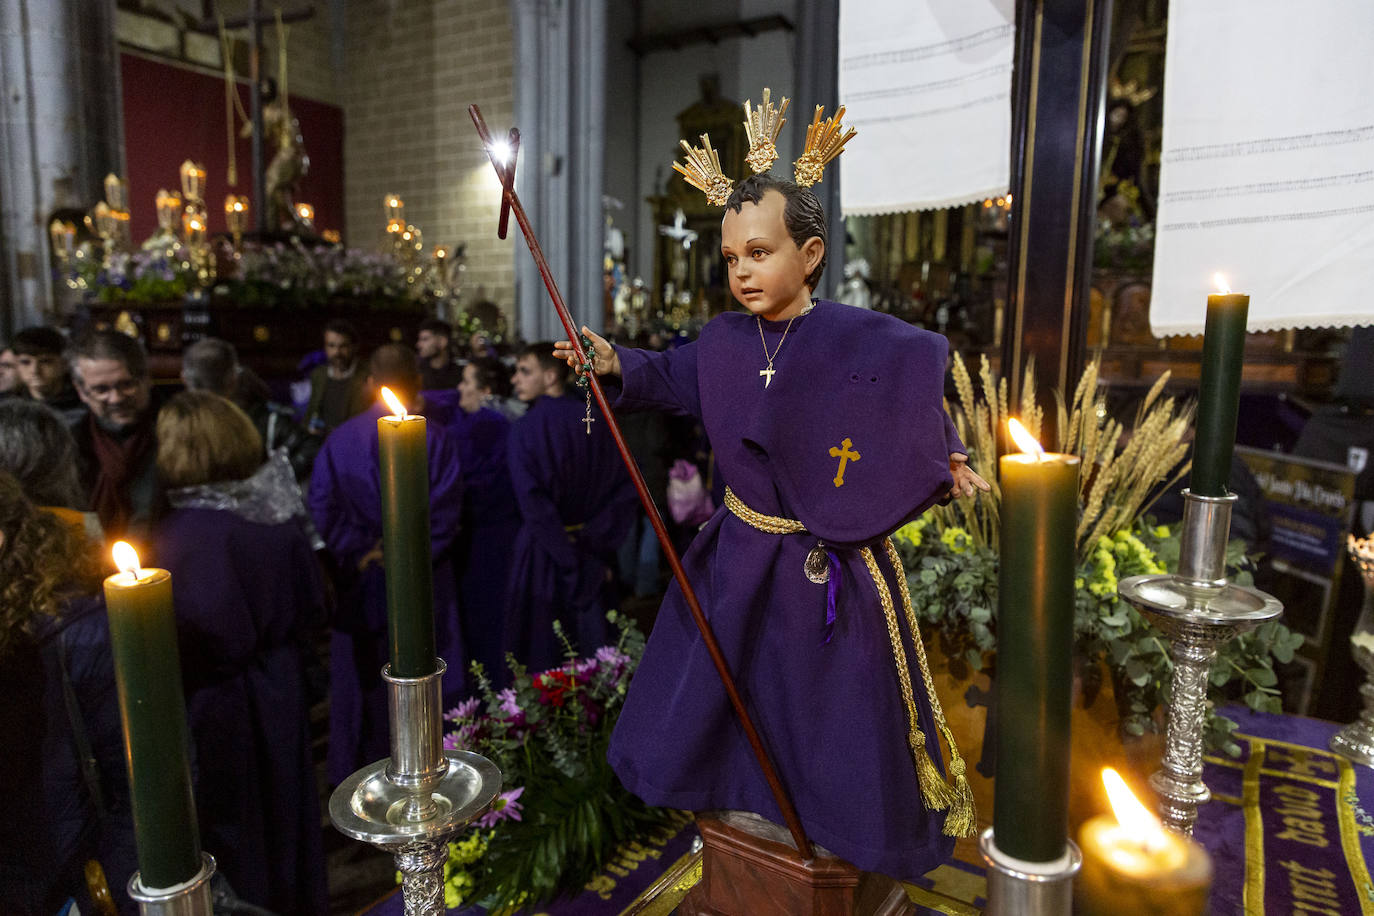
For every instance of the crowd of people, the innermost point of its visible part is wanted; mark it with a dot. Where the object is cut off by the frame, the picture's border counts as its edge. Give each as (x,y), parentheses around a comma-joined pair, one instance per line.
(269,519)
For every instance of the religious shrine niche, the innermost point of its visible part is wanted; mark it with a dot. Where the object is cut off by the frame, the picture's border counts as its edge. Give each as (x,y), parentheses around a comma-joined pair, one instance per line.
(689,281)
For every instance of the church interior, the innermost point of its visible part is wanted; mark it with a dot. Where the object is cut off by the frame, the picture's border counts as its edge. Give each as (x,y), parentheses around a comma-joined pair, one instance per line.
(746,457)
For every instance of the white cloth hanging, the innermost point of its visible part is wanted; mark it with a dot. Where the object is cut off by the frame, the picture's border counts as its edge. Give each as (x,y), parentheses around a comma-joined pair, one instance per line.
(1267,173)
(928,85)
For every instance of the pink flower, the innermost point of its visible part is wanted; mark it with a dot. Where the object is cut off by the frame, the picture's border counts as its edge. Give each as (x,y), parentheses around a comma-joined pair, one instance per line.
(505,808)
(464,710)
(510,706)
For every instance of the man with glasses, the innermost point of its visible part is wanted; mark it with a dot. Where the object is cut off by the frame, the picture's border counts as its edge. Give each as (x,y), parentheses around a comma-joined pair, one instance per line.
(115,440)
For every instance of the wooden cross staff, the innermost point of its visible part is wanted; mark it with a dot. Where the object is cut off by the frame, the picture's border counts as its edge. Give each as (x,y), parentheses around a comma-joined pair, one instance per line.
(510,203)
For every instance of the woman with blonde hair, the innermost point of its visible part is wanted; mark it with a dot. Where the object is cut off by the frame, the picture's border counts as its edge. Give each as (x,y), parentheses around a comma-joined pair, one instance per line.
(247,595)
(57,680)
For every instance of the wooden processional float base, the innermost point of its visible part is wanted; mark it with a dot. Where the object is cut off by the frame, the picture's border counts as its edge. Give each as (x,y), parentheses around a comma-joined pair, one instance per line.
(751,869)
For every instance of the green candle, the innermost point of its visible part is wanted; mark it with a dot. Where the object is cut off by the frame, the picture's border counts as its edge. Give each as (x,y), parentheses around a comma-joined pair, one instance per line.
(401,441)
(143,638)
(1218,400)
(1035,652)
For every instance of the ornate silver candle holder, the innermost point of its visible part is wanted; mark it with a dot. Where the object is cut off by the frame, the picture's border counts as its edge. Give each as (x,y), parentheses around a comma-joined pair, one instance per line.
(191,898)
(1356,740)
(1198,611)
(412,802)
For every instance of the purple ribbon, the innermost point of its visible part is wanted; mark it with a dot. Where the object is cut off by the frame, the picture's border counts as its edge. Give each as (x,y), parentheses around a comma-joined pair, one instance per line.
(832,591)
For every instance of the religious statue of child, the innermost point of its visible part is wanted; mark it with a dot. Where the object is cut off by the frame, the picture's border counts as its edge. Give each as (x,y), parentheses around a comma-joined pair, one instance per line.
(829,428)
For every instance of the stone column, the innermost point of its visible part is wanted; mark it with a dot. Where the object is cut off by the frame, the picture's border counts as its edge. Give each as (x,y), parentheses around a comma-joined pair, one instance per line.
(61,131)
(560,110)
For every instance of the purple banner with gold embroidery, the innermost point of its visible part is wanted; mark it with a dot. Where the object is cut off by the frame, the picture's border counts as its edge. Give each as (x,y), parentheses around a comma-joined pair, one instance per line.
(1289,828)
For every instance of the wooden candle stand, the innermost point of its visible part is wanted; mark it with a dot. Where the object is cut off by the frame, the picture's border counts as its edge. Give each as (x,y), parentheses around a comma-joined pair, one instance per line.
(745,874)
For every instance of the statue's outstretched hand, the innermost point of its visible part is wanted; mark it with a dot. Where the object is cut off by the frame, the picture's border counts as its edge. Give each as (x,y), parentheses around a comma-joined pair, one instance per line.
(965,479)
(604,361)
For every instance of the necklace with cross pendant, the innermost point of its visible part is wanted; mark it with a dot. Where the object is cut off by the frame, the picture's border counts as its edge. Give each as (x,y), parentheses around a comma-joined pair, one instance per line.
(768,371)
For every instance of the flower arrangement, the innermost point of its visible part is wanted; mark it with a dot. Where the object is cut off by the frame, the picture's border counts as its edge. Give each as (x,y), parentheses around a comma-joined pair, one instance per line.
(264,274)
(564,812)
(140,276)
(950,553)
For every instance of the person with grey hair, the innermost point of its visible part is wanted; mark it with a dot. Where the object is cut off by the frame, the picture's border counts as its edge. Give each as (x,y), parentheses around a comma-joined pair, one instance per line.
(37,449)
(211,364)
(116,441)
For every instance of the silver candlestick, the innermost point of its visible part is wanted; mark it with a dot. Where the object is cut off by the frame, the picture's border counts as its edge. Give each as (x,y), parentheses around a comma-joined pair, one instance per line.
(190,898)
(1356,740)
(412,802)
(1198,611)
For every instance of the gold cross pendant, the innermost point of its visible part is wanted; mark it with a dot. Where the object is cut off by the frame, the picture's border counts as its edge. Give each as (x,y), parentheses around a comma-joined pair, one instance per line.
(768,375)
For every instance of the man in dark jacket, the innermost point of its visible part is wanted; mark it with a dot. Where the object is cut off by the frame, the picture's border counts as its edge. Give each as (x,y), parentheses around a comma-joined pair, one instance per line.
(43,371)
(116,440)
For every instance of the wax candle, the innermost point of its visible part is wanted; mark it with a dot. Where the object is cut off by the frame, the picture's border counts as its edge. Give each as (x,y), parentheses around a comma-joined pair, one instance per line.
(401,441)
(1218,398)
(1034,650)
(143,639)
(1132,866)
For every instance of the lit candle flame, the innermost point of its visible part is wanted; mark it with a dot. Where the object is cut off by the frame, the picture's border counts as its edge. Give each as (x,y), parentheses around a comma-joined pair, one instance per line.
(394,403)
(1130,813)
(1222,286)
(1023,439)
(126,558)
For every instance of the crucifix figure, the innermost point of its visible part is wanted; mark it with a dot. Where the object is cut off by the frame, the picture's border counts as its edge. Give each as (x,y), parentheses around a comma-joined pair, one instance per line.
(845,453)
(253,22)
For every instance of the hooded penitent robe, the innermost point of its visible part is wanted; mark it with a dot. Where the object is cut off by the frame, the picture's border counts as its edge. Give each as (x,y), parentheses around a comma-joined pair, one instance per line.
(851,386)
(346,504)
(248,595)
(576,506)
(490,522)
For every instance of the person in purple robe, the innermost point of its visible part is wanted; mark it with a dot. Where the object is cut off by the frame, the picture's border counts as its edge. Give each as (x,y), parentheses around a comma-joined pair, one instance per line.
(490,516)
(576,508)
(345,502)
(248,596)
(829,430)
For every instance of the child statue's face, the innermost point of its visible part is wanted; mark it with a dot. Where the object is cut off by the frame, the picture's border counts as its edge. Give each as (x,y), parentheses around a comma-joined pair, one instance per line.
(767,269)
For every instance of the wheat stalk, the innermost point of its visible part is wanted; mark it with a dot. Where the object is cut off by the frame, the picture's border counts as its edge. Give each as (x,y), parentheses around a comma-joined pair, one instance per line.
(1121,468)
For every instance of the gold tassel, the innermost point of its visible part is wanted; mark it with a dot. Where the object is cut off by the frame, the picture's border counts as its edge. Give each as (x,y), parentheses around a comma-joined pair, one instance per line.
(934,790)
(963,819)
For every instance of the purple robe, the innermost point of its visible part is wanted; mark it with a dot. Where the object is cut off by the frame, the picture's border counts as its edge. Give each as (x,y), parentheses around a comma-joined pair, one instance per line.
(346,504)
(247,596)
(490,522)
(576,507)
(826,700)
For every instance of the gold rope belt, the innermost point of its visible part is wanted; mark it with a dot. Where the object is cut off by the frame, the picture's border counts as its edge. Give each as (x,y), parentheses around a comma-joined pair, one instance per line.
(937,793)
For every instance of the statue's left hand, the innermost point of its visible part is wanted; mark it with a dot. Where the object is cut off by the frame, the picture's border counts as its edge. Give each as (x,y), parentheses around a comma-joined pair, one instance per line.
(966,480)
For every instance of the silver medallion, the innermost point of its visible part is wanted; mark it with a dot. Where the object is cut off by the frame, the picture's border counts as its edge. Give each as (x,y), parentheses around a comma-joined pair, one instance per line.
(818,565)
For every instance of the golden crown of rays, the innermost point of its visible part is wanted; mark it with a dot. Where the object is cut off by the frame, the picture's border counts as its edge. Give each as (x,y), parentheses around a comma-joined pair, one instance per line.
(825,140)
(762,125)
(702,171)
